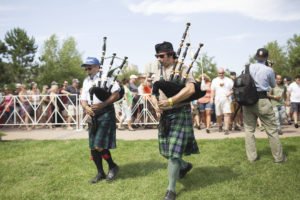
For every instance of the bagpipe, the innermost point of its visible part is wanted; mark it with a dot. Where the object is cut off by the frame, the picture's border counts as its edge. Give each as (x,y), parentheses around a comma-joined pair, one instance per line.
(101,91)
(177,80)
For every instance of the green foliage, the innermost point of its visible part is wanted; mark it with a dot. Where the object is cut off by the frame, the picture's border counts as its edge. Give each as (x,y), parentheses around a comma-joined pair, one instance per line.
(6,75)
(294,55)
(61,169)
(19,51)
(277,55)
(126,72)
(60,63)
(286,60)
(208,65)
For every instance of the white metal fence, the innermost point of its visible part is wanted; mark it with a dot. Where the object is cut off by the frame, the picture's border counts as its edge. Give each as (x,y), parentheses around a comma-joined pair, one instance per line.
(46,110)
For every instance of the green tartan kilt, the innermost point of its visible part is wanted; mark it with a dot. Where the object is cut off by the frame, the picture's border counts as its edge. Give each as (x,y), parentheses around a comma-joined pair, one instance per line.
(176,133)
(103,135)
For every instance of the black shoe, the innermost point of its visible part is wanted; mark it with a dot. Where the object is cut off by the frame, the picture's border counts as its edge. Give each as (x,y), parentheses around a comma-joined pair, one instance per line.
(296,126)
(280,132)
(97,178)
(170,195)
(220,129)
(112,173)
(185,170)
(237,128)
(226,132)
(207,131)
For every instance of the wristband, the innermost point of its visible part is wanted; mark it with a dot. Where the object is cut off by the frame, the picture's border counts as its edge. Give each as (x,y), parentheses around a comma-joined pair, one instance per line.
(170,100)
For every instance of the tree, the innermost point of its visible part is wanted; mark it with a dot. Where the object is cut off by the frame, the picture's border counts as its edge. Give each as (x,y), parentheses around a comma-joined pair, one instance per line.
(126,72)
(208,65)
(60,63)
(6,75)
(70,60)
(278,57)
(20,53)
(293,49)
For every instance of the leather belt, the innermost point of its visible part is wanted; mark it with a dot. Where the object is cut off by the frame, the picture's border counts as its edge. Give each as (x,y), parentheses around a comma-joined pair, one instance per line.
(262,95)
(175,110)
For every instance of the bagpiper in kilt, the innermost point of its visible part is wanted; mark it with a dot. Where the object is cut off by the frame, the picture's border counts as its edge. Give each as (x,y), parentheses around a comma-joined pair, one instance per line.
(176,135)
(102,123)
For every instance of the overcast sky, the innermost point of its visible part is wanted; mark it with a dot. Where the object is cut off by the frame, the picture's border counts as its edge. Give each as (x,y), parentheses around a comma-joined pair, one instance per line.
(231,30)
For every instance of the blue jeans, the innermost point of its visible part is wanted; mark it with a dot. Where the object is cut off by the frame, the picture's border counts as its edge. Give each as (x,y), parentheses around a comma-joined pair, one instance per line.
(280,115)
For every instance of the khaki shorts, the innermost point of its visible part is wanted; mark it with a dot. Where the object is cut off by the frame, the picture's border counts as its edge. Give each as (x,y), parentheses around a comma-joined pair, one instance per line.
(71,110)
(223,106)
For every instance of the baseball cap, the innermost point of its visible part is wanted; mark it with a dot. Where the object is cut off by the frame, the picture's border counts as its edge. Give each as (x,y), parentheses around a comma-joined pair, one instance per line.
(261,53)
(75,80)
(18,85)
(90,61)
(133,76)
(54,83)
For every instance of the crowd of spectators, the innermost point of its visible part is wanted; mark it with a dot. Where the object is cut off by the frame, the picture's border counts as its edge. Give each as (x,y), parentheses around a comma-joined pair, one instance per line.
(30,104)
(217,108)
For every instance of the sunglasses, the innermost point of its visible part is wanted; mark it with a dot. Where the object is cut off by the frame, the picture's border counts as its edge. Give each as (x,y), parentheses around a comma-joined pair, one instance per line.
(160,55)
(88,69)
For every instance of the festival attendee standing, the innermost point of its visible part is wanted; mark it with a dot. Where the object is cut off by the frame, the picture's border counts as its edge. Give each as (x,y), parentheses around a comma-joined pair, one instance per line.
(102,129)
(176,136)
(264,78)
(278,96)
(221,91)
(294,99)
(205,106)
(126,106)
(73,94)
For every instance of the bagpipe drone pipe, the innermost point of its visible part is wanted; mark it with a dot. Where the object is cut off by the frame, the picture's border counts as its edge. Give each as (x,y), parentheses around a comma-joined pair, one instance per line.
(103,93)
(174,86)
(175,83)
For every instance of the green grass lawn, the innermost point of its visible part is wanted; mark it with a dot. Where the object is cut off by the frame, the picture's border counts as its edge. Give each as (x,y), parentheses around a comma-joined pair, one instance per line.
(61,170)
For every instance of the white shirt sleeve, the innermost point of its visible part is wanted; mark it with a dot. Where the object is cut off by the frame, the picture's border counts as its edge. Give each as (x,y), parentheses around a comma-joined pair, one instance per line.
(85,91)
(213,84)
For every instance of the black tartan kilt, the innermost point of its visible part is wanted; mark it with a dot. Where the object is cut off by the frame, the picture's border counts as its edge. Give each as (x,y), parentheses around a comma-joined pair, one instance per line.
(176,134)
(103,135)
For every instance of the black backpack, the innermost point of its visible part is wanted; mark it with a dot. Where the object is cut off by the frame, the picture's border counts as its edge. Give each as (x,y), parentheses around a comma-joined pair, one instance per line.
(244,89)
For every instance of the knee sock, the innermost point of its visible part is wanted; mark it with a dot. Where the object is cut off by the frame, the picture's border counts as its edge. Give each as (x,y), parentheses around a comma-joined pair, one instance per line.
(173,171)
(182,163)
(97,160)
(107,156)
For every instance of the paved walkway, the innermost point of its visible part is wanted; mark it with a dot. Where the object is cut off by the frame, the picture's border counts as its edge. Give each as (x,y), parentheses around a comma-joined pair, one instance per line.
(139,134)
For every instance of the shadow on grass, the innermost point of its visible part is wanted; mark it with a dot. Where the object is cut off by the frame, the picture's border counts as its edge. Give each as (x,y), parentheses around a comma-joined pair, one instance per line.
(204,176)
(138,169)
(286,149)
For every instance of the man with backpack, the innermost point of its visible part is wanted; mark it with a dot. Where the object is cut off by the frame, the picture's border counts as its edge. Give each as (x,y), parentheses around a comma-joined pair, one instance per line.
(264,79)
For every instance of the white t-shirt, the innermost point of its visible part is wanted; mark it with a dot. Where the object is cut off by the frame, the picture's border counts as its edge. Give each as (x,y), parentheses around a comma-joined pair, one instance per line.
(294,90)
(88,83)
(222,87)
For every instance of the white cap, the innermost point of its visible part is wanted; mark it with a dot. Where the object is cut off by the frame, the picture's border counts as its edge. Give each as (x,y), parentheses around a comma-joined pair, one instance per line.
(153,76)
(18,85)
(133,76)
